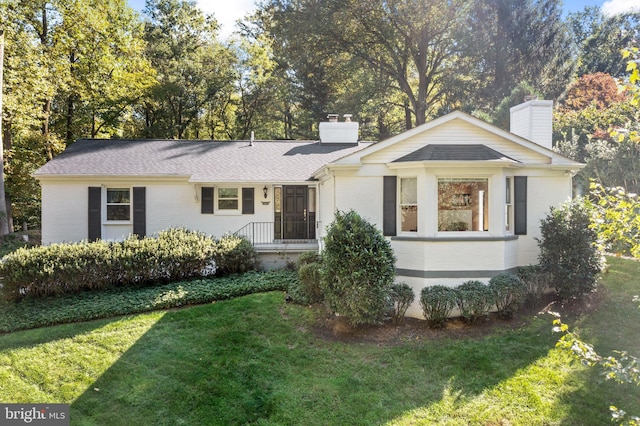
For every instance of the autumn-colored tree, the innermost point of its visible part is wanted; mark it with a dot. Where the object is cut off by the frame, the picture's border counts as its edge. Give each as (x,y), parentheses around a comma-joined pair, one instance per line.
(599,88)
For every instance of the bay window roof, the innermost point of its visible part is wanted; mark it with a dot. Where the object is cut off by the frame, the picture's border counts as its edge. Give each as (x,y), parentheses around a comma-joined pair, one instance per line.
(463,152)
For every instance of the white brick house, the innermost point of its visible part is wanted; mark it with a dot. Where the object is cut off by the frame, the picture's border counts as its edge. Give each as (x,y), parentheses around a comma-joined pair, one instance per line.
(458,198)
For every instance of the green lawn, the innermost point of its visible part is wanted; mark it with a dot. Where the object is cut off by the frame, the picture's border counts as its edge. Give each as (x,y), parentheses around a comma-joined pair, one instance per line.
(254,359)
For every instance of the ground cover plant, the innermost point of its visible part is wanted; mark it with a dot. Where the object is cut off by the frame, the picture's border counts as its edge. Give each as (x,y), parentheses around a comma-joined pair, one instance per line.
(33,313)
(258,359)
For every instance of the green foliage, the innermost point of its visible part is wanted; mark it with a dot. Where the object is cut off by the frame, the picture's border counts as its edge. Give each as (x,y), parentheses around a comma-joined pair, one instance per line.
(535,281)
(234,254)
(402,297)
(509,293)
(359,268)
(310,281)
(307,288)
(569,249)
(174,254)
(474,299)
(437,303)
(616,218)
(84,306)
(622,368)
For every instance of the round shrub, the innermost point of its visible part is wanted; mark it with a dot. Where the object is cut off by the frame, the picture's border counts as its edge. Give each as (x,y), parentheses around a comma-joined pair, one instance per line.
(234,255)
(437,303)
(309,275)
(569,250)
(402,297)
(474,299)
(535,281)
(509,293)
(358,269)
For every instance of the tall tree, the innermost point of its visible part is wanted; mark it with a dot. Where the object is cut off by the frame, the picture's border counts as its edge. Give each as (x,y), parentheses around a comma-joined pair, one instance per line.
(511,41)
(4,224)
(72,69)
(192,67)
(600,39)
(412,44)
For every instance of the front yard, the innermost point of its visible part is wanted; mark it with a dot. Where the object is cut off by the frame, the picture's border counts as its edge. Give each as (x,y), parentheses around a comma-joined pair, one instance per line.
(257,359)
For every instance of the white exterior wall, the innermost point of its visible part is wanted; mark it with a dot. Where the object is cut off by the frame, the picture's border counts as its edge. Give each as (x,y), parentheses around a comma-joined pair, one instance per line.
(168,204)
(545,189)
(64,212)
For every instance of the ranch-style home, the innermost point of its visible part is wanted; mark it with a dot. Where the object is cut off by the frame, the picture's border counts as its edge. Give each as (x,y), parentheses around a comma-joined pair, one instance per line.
(458,198)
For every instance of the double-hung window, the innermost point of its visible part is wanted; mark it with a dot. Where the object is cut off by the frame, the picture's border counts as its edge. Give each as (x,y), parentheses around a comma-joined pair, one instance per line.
(409,204)
(118,204)
(228,199)
(508,205)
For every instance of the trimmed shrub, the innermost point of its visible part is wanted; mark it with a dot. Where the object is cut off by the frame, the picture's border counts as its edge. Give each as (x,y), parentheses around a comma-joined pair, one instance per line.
(569,250)
(309,275)
(174,254)
(358,269)
(308,257)
(234,255)
(437,303)
(509,293)
(535,281)
(402,297)
(474,299)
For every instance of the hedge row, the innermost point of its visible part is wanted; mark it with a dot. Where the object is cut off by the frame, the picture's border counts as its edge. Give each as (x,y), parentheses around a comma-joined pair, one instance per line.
(473,299)
(175,254)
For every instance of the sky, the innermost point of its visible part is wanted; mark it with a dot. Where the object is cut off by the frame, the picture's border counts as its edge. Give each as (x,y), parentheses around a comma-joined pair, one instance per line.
(228,11)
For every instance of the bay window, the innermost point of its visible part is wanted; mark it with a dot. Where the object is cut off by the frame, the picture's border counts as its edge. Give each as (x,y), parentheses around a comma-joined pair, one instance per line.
(409,204)
(463,204)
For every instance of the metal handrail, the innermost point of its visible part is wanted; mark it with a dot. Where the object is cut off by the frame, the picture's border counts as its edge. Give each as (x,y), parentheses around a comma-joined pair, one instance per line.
(265,232)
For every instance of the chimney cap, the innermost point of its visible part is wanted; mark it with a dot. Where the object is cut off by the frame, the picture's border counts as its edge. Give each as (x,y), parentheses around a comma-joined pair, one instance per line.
(528,98)
(333,117)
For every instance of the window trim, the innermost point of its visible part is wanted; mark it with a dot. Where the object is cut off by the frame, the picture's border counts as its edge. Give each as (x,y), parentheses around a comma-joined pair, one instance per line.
(238,198)
(486,212)
(401,205)
(508,205)
(107,204)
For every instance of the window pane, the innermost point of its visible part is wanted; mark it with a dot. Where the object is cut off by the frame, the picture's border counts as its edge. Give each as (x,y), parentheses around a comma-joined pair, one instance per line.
(409,191)
(120,196)
(118,212)
(463,204)
(227,204)
(409,218)
(409,204)
(228,193)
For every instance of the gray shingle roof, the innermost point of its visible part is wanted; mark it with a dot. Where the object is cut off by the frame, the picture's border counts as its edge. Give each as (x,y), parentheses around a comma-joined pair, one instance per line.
(202,161)
(475,152)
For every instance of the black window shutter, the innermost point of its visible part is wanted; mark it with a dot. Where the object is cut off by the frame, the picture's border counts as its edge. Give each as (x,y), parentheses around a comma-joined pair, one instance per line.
(247,201)
(206,200)
(95,214)
(520,207)
(389,205)
(139,211)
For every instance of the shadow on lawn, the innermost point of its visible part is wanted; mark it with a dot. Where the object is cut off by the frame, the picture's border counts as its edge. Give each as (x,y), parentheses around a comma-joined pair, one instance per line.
(24,339)
(254,359)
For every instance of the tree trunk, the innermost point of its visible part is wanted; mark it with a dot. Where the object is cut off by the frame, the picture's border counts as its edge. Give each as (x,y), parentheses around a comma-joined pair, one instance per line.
(4,216)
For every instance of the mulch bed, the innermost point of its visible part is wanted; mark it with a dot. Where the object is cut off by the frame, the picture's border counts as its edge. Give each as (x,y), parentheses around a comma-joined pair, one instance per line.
(333,328)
